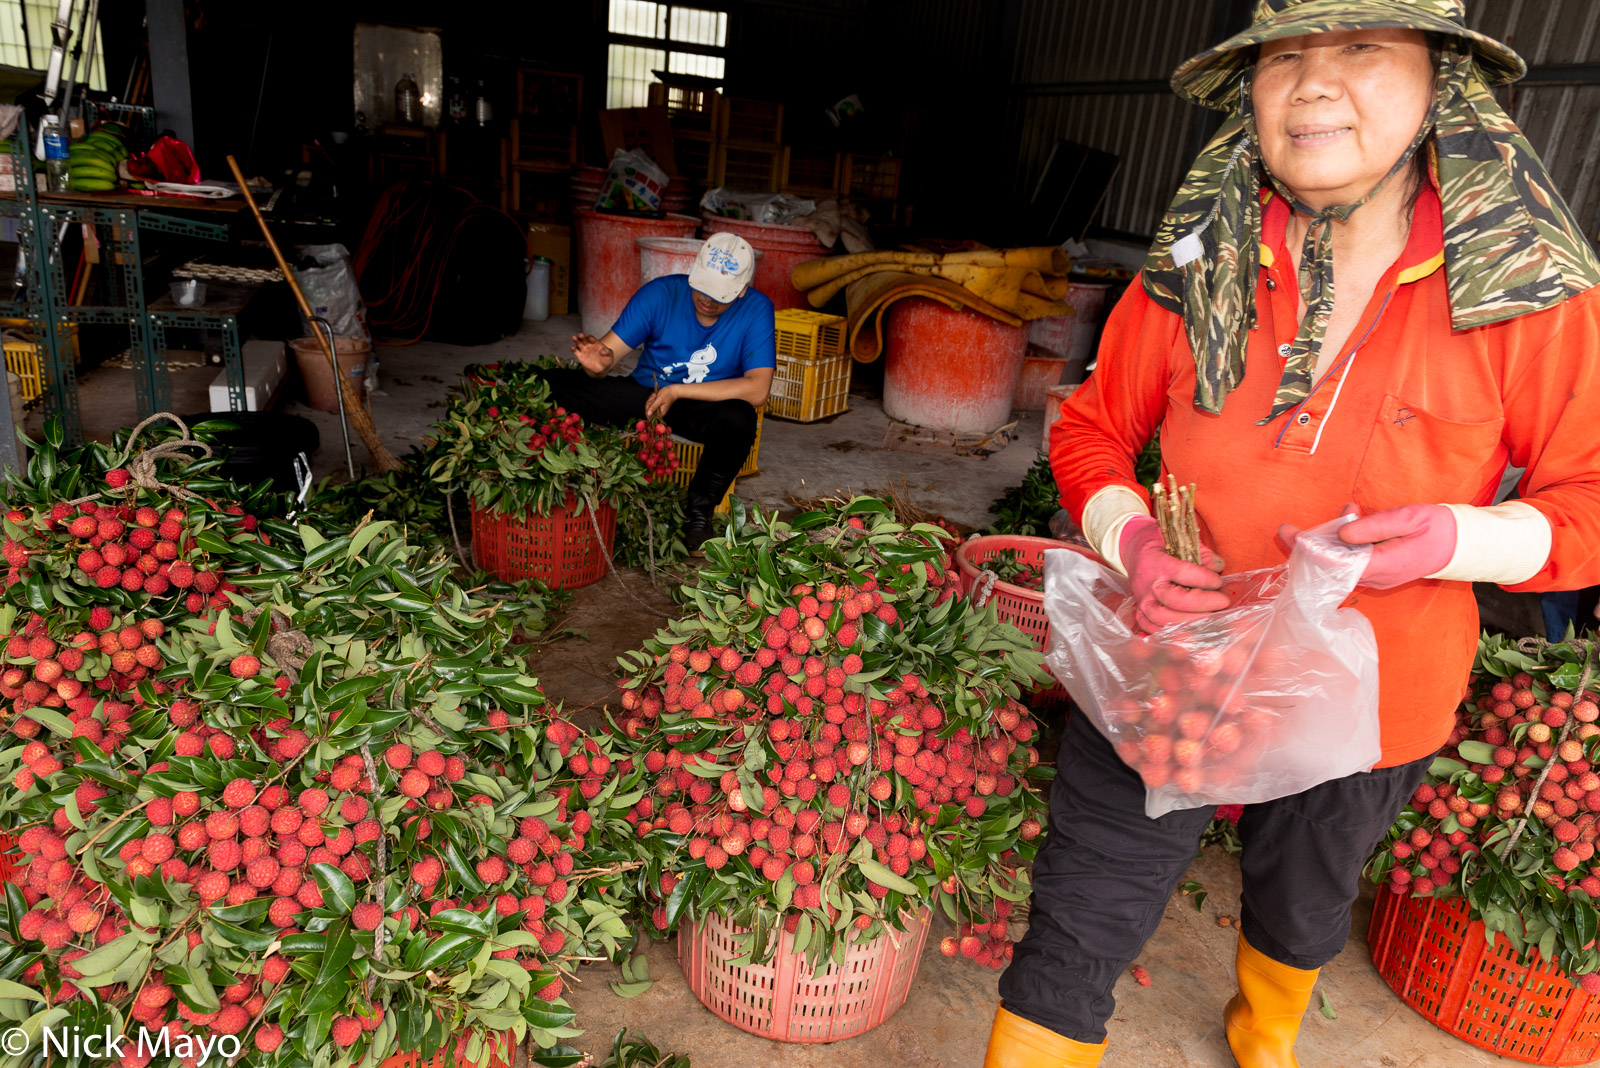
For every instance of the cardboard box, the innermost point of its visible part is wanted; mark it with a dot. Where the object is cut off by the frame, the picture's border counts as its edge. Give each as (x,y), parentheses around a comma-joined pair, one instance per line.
(264,368)
(646,128)
(554,243)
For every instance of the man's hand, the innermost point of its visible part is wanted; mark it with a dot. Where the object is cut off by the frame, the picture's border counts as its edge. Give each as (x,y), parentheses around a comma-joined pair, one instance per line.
(593,355)
(661,400)
(1165,589)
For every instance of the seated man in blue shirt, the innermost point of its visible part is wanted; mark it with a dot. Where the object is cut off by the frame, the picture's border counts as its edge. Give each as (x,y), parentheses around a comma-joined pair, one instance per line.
(708,360)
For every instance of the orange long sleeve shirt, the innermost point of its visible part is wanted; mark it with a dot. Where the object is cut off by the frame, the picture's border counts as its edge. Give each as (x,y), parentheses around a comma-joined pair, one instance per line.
(1412,412)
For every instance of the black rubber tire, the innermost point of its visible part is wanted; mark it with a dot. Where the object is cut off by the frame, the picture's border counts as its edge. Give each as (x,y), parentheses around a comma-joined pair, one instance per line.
(264,446)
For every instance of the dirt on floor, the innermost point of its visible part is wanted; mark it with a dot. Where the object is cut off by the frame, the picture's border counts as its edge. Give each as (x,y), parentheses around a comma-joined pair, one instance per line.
(1355,1020)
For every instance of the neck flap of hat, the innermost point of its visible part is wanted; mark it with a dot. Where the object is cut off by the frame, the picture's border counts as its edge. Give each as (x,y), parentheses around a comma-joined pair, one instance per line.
(1511,245)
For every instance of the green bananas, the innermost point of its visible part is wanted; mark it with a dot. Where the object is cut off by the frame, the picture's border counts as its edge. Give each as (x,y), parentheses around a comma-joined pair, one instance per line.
(92,161)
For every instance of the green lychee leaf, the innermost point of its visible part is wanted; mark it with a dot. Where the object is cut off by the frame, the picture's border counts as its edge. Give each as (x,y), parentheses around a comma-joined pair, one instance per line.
(339,893)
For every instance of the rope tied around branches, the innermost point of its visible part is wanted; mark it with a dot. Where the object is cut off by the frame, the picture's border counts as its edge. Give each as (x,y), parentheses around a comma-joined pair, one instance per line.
(141,468)
(1533,647)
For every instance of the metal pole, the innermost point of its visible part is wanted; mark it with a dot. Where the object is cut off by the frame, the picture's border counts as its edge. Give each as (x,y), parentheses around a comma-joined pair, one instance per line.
(77,57)
(333,348)
(88,71)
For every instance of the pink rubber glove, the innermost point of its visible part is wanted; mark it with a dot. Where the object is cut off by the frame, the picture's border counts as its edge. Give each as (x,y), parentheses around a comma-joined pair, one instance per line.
(1165,589)
(1408,543)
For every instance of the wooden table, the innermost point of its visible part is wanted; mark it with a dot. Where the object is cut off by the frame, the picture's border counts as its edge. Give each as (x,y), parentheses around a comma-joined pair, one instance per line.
(145,201)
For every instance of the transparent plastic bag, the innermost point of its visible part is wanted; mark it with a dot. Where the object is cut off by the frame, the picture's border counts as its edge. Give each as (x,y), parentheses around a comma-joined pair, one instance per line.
(1261,700)
(633,183)
(330,288)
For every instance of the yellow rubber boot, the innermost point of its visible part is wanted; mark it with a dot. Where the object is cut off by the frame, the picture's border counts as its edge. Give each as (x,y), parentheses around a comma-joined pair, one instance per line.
(1263,1019)
(1018,1043)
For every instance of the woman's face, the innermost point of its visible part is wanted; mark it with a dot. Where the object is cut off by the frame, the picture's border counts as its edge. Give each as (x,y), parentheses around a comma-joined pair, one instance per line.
(1334,111)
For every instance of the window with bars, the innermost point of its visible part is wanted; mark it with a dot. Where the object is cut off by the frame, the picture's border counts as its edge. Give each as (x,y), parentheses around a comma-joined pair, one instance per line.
(25,40)
(646,36)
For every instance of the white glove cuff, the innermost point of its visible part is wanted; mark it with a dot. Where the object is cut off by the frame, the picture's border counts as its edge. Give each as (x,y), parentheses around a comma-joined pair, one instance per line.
(1107,512)
(1506,544)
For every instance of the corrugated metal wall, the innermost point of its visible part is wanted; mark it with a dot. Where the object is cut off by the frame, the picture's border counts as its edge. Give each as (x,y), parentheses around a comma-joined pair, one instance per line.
(1059,45)
(1561,121)
(1109,41)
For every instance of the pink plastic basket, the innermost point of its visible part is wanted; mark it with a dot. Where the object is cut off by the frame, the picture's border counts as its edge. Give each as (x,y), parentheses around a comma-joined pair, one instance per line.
(782,999)
(1017,605)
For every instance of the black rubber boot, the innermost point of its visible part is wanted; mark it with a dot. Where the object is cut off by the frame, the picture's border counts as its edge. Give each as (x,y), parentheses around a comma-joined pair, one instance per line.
(697,522)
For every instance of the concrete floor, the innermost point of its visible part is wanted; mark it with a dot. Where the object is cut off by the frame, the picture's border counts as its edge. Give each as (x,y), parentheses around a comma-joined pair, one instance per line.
(1174,1023)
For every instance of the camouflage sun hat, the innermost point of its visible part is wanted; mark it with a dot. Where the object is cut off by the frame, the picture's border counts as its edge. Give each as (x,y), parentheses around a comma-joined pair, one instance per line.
(1211,79)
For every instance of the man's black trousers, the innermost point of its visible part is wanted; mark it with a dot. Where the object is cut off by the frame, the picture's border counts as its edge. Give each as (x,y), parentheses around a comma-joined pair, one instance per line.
(725,428)
(1106,872)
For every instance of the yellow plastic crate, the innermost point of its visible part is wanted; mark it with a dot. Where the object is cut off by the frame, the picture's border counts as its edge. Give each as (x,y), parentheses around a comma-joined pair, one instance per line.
(24,360)
(813,377)
(689,459)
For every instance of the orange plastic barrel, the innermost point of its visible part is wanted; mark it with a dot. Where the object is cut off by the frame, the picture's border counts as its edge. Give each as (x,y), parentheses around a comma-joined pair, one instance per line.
(1073,336)
(954,370)
(780,249)
(1054,398)
(608,261)
(660,256)
(1040,371)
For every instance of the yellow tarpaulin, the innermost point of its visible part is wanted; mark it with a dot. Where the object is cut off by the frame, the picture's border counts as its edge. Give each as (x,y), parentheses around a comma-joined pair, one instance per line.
(1012,285)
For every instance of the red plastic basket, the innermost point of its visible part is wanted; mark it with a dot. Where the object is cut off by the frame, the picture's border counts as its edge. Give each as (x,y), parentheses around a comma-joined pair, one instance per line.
(783,1000)
(1440,963)
(559,550)
(505,1052)
(1018,605)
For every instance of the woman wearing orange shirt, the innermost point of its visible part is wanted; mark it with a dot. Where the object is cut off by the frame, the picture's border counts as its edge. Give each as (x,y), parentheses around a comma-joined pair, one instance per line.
(1367,293)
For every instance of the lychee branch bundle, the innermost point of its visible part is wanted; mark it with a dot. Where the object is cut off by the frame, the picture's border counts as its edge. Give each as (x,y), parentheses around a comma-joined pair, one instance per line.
(1176,516)
(1510,813)
(260,801)
(830,740)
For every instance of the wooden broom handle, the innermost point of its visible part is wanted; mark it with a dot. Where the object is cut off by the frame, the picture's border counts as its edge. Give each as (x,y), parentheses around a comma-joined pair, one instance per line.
(288,275)
(383,457)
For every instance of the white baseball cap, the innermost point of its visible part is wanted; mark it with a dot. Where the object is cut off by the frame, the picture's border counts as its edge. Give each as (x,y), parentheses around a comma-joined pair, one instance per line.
(723,267)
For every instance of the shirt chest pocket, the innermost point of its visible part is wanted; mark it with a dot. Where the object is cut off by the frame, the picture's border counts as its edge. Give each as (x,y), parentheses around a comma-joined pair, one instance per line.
(1417,457)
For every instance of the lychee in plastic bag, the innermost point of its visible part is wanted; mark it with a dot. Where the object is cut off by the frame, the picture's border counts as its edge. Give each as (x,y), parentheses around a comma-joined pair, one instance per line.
(1264,699)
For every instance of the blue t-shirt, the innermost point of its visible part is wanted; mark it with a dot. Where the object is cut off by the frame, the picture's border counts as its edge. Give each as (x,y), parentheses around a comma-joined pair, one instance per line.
(661,318)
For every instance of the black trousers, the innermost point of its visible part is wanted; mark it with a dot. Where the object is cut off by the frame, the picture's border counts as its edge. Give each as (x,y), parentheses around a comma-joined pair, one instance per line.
(1106,872)
(726,429)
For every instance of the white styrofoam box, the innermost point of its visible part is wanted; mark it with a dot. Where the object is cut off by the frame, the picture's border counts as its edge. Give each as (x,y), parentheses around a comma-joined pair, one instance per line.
(264,368)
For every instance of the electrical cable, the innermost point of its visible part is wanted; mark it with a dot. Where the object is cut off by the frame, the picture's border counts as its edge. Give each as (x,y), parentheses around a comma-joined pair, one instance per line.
(404,257)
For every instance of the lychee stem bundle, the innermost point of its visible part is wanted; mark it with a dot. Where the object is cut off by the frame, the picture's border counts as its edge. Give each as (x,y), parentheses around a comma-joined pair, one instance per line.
(1179,523)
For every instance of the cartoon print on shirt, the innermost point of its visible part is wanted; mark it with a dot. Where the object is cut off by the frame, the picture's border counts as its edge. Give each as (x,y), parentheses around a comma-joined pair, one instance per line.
(699,364)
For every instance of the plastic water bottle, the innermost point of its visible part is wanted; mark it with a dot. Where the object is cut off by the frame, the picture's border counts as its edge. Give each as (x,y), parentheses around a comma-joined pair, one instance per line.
(537,306)
(55,155)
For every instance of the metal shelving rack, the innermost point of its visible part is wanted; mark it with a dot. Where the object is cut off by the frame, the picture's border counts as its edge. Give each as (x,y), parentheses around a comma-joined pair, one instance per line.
(41,226)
